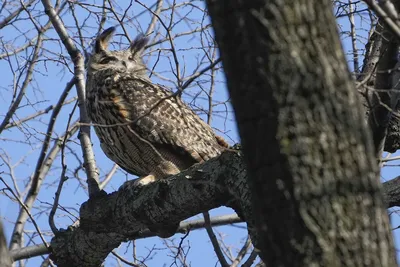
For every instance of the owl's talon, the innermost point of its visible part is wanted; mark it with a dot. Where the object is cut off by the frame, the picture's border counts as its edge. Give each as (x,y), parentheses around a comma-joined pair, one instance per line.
(140,182)
(137,183)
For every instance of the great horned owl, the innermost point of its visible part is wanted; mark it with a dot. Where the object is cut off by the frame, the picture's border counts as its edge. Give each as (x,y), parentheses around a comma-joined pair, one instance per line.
(141,127)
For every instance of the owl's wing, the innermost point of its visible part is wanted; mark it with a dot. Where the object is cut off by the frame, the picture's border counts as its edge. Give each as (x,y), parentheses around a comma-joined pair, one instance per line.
(166,122)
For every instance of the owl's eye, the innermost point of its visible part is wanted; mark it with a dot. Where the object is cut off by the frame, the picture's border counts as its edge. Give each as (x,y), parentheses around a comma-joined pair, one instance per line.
(107,60)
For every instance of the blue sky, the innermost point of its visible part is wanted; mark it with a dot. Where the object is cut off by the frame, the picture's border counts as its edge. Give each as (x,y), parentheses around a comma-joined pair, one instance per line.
(23,144)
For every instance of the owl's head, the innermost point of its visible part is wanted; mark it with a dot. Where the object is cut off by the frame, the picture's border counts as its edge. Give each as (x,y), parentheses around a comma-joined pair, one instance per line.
(129,60)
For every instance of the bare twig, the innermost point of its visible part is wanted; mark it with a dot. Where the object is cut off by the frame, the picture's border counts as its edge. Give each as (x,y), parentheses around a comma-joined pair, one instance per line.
(37,114)
(385,16)
(214,240)
(194,76)
(84,135)
(353,37)
(242,252)
(154,18)
(37,176)
(120,21)
(39,232)
(14,14)
(168,30)
(125,261)
(25,84)
(184,227)
(251,259)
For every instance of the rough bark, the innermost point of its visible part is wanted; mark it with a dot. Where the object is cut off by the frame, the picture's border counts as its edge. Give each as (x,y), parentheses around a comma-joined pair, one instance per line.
(76,246)
(376,86)
(391,192)
(379,82)
(5,260)
(108,220)
(312,171)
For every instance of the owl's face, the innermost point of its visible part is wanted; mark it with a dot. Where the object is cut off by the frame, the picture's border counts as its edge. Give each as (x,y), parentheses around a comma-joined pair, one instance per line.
(129,60)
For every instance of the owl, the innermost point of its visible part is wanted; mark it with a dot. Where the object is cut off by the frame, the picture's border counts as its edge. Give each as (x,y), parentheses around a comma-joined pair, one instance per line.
(142,126)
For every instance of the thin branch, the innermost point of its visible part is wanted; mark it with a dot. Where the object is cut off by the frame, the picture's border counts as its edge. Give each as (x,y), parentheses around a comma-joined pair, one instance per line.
(63,178)
(168,30)
(37,114)
(28,78)
(251,259)
(353,38)
(184,227)
(194,76)
(242,252)
(108,176)
(22,217)
(384,16)
(120,21)
(125,261)
(214,241)
(154,18)
(37,176)
(6,20)
(39,232)
(84,135)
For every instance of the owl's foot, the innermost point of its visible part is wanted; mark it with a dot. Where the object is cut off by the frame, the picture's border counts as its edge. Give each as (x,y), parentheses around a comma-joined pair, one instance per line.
(142,181)
(139,183)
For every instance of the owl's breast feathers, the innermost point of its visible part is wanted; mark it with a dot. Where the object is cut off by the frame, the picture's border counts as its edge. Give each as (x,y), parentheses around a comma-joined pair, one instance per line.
(146,130)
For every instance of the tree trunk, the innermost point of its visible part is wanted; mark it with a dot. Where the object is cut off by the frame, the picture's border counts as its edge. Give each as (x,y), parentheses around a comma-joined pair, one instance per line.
(380,58)
(5,260)
(314,180)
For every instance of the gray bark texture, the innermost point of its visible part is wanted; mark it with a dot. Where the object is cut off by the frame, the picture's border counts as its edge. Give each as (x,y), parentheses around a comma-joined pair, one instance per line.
(108,220)
(5,259)
(313,176)
(380,94)
(128,214)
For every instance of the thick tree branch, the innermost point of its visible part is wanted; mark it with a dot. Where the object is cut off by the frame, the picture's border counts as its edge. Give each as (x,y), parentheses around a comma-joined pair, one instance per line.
(391,192)
(184,227)
(375,81)
(379,100)
(127,214)
(106,221)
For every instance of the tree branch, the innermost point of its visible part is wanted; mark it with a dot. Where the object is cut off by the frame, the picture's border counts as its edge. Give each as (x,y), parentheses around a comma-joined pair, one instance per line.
(106,221)
(128,213)
(79,69)
(184,227)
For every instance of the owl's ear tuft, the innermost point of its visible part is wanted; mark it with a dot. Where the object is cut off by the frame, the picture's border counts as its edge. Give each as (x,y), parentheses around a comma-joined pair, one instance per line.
(138,45)
(102,40)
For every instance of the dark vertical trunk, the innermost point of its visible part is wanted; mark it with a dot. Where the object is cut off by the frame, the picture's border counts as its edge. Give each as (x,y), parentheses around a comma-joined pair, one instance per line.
(375,81)
(316,193)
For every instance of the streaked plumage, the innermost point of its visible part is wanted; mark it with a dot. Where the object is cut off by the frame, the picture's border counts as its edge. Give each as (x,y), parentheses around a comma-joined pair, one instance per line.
(141,127)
